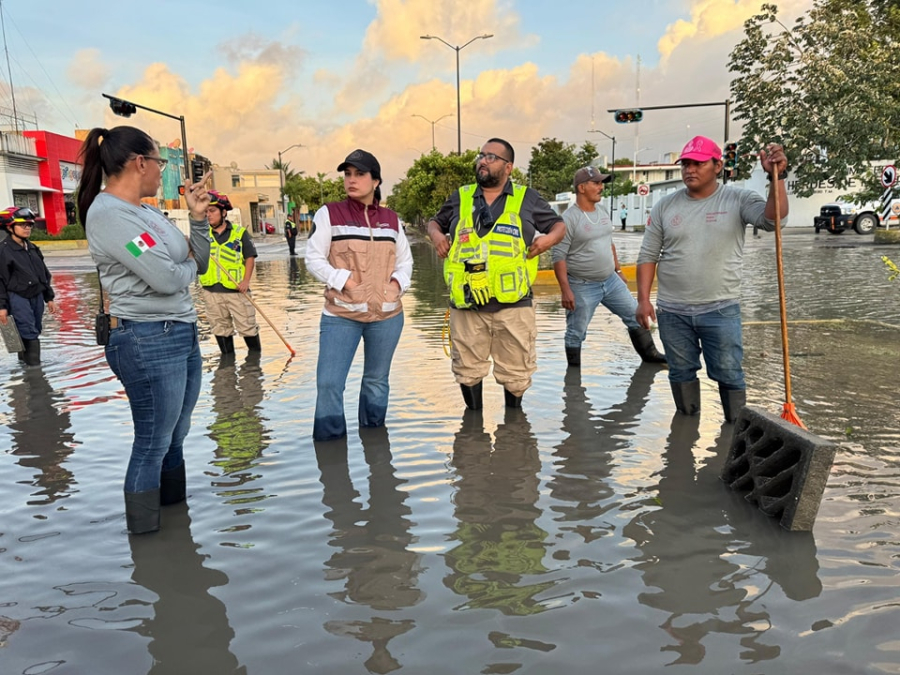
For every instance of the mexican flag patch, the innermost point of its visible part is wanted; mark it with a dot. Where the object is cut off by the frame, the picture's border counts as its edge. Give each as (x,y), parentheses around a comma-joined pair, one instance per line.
(139,244)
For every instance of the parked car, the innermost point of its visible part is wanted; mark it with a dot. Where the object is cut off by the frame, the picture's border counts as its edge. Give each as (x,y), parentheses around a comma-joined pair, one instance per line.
(269,228)
(840,216)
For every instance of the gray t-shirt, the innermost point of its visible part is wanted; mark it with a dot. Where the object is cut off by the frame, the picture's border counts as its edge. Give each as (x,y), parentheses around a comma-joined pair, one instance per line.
(143,260)
(698,245)
(587,246)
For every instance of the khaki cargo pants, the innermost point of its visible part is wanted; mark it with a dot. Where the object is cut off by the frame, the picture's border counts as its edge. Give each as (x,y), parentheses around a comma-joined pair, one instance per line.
(230,312)
(507,337)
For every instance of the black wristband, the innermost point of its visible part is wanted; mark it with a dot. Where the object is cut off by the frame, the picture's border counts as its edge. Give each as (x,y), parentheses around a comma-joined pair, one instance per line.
(781,176)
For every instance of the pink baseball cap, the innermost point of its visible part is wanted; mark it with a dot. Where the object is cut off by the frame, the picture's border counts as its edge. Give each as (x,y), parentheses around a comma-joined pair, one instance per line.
(700,149)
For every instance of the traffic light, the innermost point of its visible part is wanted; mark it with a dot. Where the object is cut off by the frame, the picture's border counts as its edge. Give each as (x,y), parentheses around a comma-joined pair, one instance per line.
(122,108)
(197,170)
(730,159)
(628,116)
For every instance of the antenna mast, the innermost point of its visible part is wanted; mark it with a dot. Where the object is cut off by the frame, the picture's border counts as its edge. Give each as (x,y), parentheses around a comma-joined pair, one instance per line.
(12,90)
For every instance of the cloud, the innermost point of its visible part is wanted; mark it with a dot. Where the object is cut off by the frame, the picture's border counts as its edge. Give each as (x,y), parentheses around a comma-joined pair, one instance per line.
(87,70)
(713,18)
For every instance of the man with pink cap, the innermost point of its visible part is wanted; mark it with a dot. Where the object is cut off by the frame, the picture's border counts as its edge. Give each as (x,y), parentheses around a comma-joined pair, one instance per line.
(694,245)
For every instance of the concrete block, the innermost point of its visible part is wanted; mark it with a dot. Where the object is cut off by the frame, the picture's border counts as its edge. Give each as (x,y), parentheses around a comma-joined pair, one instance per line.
(779,466)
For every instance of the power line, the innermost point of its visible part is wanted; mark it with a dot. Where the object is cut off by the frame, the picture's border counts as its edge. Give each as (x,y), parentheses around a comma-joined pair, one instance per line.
(41,65)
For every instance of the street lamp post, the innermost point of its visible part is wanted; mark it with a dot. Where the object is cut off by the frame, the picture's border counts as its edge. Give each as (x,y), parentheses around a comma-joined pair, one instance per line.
(458,49)
(432,123)
(124,108)
(612,166)
(281,175)
(634,164)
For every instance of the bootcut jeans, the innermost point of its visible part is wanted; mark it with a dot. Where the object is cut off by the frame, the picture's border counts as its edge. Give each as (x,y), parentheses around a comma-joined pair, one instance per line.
(338,340)
(159,364)
(612,293)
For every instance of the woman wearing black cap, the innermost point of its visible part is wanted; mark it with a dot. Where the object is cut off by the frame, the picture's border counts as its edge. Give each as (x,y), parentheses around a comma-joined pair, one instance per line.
(24,282)
(358,249)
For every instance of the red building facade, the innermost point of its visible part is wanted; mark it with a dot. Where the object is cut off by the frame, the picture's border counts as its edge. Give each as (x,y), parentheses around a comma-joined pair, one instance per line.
(59,173)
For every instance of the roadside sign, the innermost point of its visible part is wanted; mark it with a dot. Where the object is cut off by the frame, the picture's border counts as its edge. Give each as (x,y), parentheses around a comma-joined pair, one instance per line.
(895,208)
(888,176)
(643,189)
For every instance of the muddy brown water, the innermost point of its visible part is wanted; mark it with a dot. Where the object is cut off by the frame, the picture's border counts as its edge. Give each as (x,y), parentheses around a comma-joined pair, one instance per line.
(588,532)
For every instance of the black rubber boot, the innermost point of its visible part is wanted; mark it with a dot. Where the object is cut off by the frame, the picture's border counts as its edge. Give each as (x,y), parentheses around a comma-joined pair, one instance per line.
(510,400)
(472,396)
(226,344)
(644,346)
(573,356)
(142,511)
(21,355)
(253,343)
(732,402)
(32,354)
(687,397)
(172,486)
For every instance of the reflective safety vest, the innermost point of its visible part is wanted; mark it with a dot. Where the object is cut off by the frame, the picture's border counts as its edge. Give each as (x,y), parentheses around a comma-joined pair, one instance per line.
(230,254)
(503,249)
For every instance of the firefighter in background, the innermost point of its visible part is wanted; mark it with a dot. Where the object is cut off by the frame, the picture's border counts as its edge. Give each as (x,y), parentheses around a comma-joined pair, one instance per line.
(24,282)
(224,284)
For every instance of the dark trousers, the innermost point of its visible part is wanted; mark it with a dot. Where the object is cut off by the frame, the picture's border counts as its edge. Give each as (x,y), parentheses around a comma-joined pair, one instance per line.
(291,241)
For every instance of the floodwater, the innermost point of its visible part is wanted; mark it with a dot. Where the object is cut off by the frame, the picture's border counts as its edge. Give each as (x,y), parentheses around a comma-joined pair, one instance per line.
(587,533)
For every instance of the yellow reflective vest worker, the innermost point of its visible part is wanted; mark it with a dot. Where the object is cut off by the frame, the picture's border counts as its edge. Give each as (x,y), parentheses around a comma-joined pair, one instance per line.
(230,255)
(502,250)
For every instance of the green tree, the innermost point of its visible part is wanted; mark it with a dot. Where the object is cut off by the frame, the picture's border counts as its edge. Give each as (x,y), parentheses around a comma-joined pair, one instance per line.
(428,183)
(828,88)
(553,164)
(314,190)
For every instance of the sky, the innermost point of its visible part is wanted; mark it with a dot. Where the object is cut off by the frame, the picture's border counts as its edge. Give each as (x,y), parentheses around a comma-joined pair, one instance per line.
(253,79)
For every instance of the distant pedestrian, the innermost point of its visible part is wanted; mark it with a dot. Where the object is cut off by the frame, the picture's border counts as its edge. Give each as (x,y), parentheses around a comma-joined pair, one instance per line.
(623,215)
(290,233)
(24,282)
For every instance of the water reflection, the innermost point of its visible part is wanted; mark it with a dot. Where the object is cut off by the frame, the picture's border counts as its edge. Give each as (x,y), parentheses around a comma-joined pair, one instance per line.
(693,550)
(189,631)
(372,543)
(238,429)
(500,546)
(40,429)
(583,458)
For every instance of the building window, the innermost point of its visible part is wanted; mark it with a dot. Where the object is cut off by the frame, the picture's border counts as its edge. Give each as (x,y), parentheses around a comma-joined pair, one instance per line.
(235,180)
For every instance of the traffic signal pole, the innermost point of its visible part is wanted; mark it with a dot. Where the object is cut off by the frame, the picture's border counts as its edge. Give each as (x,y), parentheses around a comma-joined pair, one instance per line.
(115,104)
(630,115)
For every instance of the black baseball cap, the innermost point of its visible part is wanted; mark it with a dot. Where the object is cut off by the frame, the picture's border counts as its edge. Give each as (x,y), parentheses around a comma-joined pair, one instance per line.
(364,161)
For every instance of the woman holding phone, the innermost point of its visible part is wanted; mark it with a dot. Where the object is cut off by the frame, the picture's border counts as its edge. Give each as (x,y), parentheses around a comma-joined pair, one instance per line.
(146,266)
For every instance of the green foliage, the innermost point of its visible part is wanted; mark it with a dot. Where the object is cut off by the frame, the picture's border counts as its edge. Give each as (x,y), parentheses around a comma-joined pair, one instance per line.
(67,233)
(314,190)
(428,182)
(553,165)
(828,88)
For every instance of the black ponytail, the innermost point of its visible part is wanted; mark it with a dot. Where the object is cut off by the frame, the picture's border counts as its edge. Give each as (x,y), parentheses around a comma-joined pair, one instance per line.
(105,153)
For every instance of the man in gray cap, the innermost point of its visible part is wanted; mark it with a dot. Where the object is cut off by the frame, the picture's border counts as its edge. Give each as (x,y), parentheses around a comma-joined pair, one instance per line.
(589,273)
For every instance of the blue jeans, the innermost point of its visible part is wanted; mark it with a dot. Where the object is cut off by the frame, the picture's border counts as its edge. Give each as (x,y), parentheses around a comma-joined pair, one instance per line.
(716,334)
(338,340)
(158,363)
(29,315)
(612,293)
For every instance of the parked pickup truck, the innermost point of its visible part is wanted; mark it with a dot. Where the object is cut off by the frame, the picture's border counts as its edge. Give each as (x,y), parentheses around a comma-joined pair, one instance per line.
(840,216)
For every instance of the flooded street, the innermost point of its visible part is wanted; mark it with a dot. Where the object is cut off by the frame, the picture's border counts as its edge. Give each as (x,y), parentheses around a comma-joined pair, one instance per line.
(588,532)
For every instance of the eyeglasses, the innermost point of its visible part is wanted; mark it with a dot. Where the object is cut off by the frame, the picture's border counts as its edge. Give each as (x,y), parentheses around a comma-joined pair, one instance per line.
(23,224)
(490,157)
(159,160)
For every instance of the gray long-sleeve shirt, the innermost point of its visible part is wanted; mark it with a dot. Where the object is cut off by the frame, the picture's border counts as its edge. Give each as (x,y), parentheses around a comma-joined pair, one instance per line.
(698,244)
(143,259)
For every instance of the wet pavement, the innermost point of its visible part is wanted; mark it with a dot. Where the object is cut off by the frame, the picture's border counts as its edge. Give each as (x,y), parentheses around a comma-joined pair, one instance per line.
(588,532)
